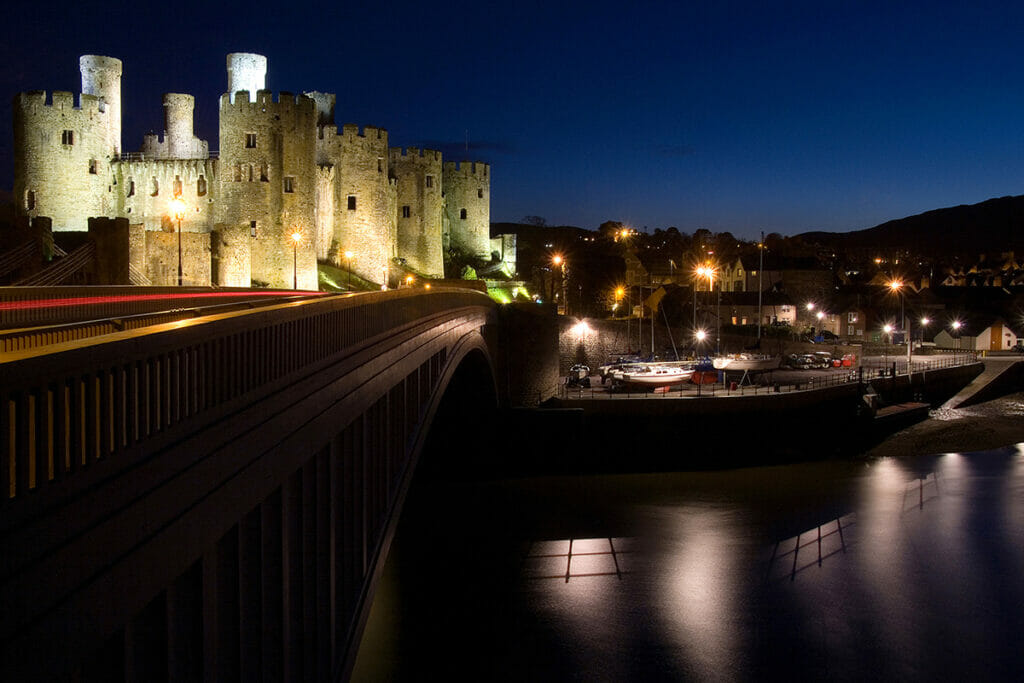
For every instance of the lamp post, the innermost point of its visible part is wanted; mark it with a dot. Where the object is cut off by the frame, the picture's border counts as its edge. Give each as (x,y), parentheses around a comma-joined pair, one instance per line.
(178,207)
(699,336)
(956,330)
(559,263)
(348,268)
(296,238)
(887,328)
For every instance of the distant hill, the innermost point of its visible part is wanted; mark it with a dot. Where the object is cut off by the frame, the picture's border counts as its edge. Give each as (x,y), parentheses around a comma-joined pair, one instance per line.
(994,225)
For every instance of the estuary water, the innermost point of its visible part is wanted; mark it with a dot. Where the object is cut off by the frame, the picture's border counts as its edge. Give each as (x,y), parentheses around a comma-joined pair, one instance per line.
(891,569)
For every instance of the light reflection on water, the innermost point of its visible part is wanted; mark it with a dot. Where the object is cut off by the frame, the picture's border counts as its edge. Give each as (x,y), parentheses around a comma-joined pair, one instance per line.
(924,582)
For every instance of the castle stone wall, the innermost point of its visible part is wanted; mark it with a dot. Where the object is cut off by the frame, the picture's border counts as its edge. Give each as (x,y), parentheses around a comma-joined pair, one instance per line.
(467,188)
(362,197)
(231,257)
(61,166)
(145,190)
(161,259)
(419,200)
(267,181)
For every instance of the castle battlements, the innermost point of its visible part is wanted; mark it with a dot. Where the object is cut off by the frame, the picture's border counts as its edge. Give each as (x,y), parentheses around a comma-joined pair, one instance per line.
(266,102)
(60,100)
(467,168)
(187,169)
(400,154)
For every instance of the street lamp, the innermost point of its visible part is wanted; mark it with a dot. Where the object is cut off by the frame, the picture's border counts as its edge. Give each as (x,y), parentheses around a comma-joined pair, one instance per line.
(956,325)
(559,263)
(409,280)
(296,238)
(348,267)
(178,208)
(897,287)
(700,336)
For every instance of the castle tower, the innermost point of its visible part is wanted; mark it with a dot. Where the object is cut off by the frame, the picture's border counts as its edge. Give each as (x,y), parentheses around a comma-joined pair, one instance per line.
(178,111)
(267,181)
(467,189)
(325,102)
(362,198)
(246,71)
(101,76)
(420,208)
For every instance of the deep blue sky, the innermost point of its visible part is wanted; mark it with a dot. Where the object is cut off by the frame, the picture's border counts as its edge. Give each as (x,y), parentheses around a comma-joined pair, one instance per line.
(737,116)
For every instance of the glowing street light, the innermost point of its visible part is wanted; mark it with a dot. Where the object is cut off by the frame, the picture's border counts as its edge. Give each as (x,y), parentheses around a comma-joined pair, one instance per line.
(409,279)
(956,325)
(178,208)
(296,238)
(348,267)
(559,263)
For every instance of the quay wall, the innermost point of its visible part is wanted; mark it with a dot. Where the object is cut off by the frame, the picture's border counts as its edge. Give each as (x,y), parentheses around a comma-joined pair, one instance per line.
(932,386)
(658,434)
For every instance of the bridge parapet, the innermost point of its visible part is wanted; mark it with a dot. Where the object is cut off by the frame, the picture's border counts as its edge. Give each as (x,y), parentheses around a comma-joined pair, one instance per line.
(150,477)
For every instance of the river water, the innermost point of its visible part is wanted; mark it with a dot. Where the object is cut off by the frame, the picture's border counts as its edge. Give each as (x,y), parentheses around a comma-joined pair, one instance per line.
(889,569)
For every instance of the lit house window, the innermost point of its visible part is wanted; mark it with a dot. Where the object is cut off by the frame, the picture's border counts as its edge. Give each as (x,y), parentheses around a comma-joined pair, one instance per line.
(351,202)
(289,184)
(405,211)
(250,140)
(851,317)
(67,137)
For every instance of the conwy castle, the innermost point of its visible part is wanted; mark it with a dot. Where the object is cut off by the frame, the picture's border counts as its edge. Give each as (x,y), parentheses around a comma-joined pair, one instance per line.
(283,169)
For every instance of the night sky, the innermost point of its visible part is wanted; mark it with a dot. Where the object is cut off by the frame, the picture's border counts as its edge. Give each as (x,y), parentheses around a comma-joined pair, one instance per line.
(739,116)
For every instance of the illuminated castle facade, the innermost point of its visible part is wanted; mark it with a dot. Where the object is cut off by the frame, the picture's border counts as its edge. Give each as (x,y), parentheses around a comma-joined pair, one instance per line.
(283,168)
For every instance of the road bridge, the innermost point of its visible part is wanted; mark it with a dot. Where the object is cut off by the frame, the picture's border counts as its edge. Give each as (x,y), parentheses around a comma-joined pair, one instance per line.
(210,499)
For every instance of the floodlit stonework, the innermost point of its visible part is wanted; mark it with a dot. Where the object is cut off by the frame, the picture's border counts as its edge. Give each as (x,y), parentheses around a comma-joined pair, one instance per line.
(283,167)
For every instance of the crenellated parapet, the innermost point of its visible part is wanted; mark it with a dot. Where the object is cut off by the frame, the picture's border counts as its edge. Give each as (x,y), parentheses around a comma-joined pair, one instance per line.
(414,154)
(146,188)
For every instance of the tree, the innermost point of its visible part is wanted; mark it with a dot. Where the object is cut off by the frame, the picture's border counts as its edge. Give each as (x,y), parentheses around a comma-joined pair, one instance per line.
(538,221)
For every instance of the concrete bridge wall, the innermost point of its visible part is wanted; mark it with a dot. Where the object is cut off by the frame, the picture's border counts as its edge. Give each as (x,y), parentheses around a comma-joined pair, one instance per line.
(209,499)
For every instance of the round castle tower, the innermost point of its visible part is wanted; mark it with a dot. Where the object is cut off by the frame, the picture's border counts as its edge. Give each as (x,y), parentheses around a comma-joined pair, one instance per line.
(467,191)
(420,208)
(101,76)
(62,151)
(246,71)
(267,176)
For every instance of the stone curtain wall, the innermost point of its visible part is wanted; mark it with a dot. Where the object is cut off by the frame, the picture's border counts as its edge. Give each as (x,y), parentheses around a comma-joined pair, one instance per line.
(138,180)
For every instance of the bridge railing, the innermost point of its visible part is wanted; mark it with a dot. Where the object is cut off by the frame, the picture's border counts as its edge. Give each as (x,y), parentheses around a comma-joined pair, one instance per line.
(68,406)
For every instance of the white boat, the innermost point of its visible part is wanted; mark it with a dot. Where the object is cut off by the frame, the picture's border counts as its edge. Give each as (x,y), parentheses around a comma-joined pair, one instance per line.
(652,376)
(746,362)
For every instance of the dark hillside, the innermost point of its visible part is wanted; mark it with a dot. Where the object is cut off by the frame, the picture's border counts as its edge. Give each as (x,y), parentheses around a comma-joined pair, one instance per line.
(995,225)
